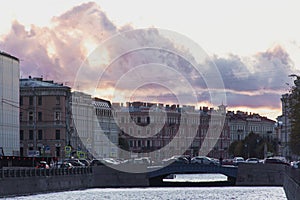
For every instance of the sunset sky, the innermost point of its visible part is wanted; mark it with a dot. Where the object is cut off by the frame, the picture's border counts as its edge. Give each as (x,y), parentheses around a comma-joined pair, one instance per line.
(254,44)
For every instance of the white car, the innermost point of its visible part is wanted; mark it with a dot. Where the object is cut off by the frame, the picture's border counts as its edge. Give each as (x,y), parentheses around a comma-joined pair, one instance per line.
(252,160)
(203,160)
(238,160)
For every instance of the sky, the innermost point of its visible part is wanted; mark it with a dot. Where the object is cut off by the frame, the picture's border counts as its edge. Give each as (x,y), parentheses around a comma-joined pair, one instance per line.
(254,45)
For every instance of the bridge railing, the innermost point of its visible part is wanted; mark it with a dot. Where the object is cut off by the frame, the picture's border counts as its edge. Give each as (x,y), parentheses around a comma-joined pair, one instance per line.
(32,172)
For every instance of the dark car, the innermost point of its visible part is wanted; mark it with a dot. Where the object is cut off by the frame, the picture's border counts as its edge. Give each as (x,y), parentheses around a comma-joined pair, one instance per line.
(75,162)
(96,162)
(275,161)
(85,162)
(43,165)
(175,159)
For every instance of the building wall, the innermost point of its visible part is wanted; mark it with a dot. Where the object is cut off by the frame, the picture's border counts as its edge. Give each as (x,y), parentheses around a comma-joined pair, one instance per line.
(44,118)
(149,128)
(106,131)
(242,123)
(82,123)
(9,106)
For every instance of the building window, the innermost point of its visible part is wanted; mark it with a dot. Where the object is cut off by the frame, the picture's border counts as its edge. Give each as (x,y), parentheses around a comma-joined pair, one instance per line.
(21,134)
(21,116)
(57,100)
(31,100)
(21,151)
(130,143)
(40,134)
(40,100)
(57,151)
(39,116)
(30,116)
(30,134)
(57,134)
(57,116)
(21,101)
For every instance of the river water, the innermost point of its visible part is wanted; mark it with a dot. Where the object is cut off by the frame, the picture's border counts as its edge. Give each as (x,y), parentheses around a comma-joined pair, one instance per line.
(170,193)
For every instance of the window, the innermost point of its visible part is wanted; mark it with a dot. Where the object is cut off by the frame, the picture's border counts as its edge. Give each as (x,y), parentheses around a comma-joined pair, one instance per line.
(57,100)
(31,100)
(130,143)
(57,134)
(57,116)
(40,100)
(21,151)
(57,151)
(39,116)
(30,116)
(148,120)
(21,134)
(21,116)
(40,134)
(21,101)
(30,134)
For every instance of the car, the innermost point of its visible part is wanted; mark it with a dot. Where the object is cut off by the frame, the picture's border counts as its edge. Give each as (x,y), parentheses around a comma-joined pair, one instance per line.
(142,160)
(175,159)
(75,162)
(85,162)
(203,160)
(96,162)
(295,164)
(238,160)
(252,160)
(227,161)
(274,160)
(42,165)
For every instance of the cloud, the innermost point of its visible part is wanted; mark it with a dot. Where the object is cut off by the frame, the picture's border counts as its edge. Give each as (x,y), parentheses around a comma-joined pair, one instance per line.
(57,51)
(258,80)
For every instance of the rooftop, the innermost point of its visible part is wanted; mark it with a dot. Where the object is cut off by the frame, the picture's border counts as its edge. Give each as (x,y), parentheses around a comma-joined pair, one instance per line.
(8,55)
(39,82)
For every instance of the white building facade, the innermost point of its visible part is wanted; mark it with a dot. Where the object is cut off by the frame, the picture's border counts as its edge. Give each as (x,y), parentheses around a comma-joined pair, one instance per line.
(9,106)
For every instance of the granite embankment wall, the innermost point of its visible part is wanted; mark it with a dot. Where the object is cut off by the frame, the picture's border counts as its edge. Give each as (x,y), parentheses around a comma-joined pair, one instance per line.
(291,183)
(24,181)
(260,174)
(15,182)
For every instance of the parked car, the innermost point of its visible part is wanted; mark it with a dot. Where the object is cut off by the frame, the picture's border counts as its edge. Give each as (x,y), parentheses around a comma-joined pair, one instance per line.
(227,161)
(143,161)
(66,165)
(43,165)
(75,162)
(204,160)
(252,160)
(238,160)
(85,162)
(295,164)
(274,160)
(96,162)
(175,159)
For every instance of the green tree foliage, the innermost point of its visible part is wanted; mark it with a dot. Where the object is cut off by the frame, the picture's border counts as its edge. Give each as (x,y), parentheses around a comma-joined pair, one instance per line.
(294,115)
(252,146)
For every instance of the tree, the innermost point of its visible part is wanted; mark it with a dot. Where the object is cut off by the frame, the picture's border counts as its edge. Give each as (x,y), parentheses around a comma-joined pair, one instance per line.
(252,146)
(294,115)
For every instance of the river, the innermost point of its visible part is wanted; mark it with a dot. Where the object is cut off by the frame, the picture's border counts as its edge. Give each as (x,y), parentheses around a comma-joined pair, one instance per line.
(170,193)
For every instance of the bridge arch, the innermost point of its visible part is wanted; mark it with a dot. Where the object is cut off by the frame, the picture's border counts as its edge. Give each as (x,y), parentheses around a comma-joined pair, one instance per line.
(156,176)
